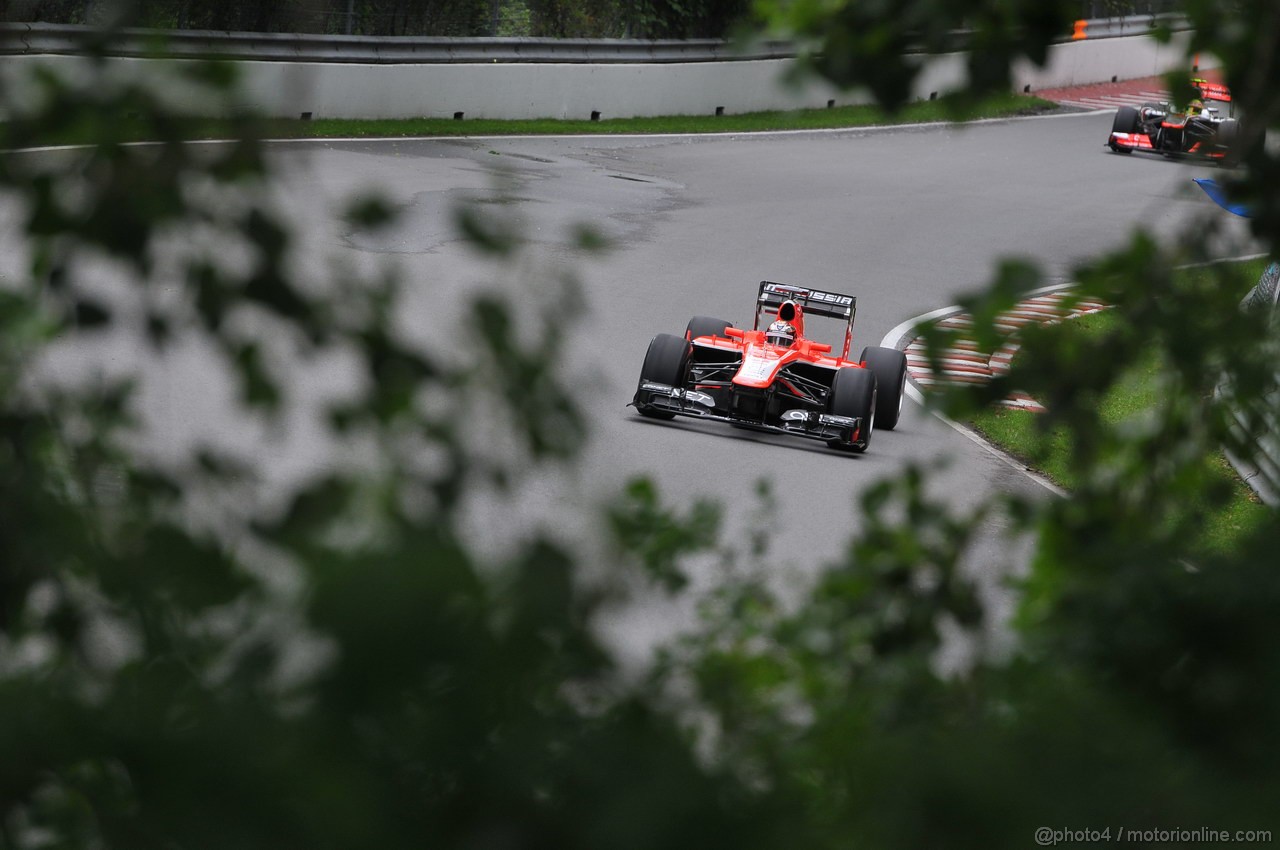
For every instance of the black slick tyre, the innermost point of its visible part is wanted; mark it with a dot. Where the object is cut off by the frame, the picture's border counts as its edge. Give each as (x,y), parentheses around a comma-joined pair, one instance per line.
(705,326)
(890,368)
(853,394)
(1229,139)
(1126,121)
(665,363)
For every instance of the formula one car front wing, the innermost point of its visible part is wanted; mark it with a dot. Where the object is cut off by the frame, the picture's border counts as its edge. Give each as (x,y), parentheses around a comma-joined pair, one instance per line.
(801,423)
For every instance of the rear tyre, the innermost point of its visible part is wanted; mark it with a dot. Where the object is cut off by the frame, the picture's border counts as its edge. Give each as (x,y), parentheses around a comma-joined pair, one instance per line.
(853,393)
(665,362)
(889,365)
(705,326)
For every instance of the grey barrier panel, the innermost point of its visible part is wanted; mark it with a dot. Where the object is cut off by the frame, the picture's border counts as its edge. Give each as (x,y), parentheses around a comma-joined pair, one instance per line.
(64,39)
(1133,25)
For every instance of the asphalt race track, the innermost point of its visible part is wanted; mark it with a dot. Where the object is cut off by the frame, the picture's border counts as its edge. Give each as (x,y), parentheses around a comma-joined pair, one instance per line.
(906,219)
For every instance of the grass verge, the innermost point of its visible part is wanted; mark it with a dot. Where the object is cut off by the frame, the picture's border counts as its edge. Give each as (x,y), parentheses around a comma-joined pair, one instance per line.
(804,119)
(1017,432)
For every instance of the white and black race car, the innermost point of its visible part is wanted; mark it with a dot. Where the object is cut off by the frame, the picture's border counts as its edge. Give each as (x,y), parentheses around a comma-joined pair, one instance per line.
(1208,128)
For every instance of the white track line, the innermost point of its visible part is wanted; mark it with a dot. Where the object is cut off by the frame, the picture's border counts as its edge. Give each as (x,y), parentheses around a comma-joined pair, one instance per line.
(894,337)
(1113,101)
(904,330)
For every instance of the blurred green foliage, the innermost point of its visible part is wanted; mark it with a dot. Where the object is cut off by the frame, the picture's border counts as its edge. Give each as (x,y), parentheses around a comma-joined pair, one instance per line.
(883,44)
(1129,403)
(458,18)
(346,669)
(338,671)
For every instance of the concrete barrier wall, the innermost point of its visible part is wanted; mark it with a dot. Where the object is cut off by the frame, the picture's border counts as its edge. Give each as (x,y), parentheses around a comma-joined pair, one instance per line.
(1099,60)
(531,91)
(550,90)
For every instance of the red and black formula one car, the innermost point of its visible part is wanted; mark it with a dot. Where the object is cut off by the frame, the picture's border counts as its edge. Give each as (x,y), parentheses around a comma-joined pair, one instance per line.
(1207,128)
(776,378)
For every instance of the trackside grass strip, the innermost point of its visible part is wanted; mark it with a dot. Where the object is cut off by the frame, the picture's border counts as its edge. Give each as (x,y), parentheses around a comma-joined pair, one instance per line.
(1003,106)
(804,119)
(1016,432)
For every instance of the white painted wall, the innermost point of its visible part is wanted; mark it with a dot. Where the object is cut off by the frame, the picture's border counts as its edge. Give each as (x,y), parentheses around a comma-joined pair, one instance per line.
(1098,60)
(533,91)
(505,90)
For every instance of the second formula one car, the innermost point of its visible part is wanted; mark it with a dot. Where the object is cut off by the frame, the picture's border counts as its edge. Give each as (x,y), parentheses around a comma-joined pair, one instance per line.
(1207,128)
(775,378)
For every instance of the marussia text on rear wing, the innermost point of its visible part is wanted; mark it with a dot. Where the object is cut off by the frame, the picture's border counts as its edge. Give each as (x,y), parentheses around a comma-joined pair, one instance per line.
(814,302)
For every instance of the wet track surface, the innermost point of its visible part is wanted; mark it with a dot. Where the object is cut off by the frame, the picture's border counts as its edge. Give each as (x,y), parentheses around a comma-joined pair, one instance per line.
(906,219)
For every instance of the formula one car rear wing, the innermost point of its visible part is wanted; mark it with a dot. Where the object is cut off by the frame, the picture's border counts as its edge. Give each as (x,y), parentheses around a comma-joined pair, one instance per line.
(814,302)
(1212,91)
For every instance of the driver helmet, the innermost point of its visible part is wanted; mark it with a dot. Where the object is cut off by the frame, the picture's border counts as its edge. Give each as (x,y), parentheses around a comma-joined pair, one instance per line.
(781,333)
(1195,107)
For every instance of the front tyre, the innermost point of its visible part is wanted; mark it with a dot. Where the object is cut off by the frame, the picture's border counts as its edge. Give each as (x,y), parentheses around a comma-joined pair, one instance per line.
(1229,140)
(853,394)
(889,365)
(1126,120)
(665,362)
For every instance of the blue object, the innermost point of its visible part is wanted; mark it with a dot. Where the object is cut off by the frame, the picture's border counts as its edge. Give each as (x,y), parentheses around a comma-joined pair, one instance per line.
(1218,192)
